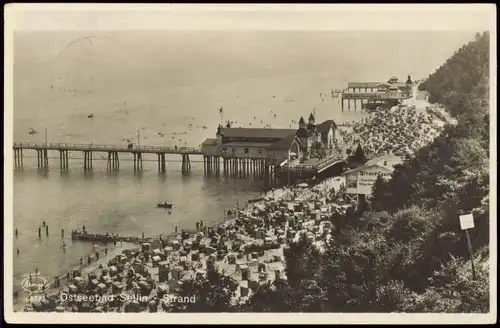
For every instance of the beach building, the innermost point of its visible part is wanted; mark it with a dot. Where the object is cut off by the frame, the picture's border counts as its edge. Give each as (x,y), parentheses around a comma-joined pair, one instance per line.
(360,180)
(318,140)
(308,149)
(253,142)
(371,94)
(307,141)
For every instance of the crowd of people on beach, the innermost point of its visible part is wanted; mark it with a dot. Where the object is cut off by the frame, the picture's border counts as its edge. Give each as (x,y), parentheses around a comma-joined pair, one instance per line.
(399,130)
(253,239)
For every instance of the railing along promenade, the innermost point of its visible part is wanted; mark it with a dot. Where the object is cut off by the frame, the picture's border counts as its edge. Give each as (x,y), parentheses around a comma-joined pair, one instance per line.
(324,164)
(108,148)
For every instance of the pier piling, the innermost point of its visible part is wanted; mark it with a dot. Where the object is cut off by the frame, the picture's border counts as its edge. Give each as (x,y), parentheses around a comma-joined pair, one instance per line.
(87,160)
(162,166)
(63,160)
(42,158)
(18,158)
(137,161)
(186,164)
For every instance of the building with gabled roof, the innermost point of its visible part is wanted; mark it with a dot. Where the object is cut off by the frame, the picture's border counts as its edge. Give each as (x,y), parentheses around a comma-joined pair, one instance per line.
(360,180)
(308,140)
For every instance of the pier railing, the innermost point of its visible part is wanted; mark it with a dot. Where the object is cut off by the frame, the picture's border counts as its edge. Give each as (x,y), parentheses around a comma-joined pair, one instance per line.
(330,161)
(107,148)
(317,167)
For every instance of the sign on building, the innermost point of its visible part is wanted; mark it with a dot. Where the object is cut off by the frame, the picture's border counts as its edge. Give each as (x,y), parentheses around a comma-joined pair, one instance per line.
(362,181)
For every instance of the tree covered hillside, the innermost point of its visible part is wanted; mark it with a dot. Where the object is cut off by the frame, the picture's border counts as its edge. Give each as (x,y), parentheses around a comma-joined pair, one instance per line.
(461,84)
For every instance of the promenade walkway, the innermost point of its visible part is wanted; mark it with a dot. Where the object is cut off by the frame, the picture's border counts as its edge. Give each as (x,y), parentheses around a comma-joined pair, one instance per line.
(108,148)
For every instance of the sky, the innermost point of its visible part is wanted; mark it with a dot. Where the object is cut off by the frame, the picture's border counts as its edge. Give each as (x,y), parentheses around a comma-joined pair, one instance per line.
(457,17)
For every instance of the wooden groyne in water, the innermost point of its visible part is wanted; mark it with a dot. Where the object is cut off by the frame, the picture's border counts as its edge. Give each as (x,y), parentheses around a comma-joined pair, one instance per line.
(82,235)
(108,238)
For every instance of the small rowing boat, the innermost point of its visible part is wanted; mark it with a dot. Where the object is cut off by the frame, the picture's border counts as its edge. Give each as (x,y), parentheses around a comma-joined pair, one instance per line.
(164,205)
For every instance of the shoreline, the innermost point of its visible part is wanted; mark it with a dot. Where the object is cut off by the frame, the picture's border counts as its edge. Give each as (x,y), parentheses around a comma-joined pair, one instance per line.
(18,302)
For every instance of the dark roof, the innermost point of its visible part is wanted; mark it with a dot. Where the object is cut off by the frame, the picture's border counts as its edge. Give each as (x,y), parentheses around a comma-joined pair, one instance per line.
(359,154)
(325,126)
(302,121)
(247,144)
(257,133)
(303,133)
(400,84)
(209,142)
(311,117)
(378,161)
(363,84)
(284,144)
(373,84)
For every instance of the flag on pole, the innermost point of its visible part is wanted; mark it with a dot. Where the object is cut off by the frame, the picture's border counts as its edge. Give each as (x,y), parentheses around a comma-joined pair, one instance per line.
(220,110)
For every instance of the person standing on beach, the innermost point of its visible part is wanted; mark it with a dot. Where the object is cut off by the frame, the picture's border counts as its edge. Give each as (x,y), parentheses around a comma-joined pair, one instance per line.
(47,229)
(197,226)
(17,251)
(39,232)
(17,232)
(62,233)
(105,251)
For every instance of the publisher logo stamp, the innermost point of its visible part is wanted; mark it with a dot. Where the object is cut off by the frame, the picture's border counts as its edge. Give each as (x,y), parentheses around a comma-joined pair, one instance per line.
(35,284)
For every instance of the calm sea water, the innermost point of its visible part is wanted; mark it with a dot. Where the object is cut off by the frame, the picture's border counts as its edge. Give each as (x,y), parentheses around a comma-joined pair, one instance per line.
(169,83)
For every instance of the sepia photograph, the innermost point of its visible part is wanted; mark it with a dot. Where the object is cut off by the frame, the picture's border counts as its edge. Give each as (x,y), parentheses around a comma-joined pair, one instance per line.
(243,163)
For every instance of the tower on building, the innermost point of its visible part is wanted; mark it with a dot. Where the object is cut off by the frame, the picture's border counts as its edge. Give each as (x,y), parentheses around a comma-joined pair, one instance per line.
(219,134)
(311,119)
(302,123)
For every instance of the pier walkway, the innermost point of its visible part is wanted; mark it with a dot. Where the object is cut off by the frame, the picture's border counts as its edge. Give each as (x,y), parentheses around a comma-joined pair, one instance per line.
(112,150)
(108,148)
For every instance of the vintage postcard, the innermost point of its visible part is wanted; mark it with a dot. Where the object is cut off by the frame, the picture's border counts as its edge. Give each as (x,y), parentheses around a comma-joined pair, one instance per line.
(193,163)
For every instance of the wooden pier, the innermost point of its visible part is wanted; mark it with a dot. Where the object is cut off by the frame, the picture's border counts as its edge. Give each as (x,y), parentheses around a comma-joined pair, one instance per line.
(229,166)
(239,166)
(113,151)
